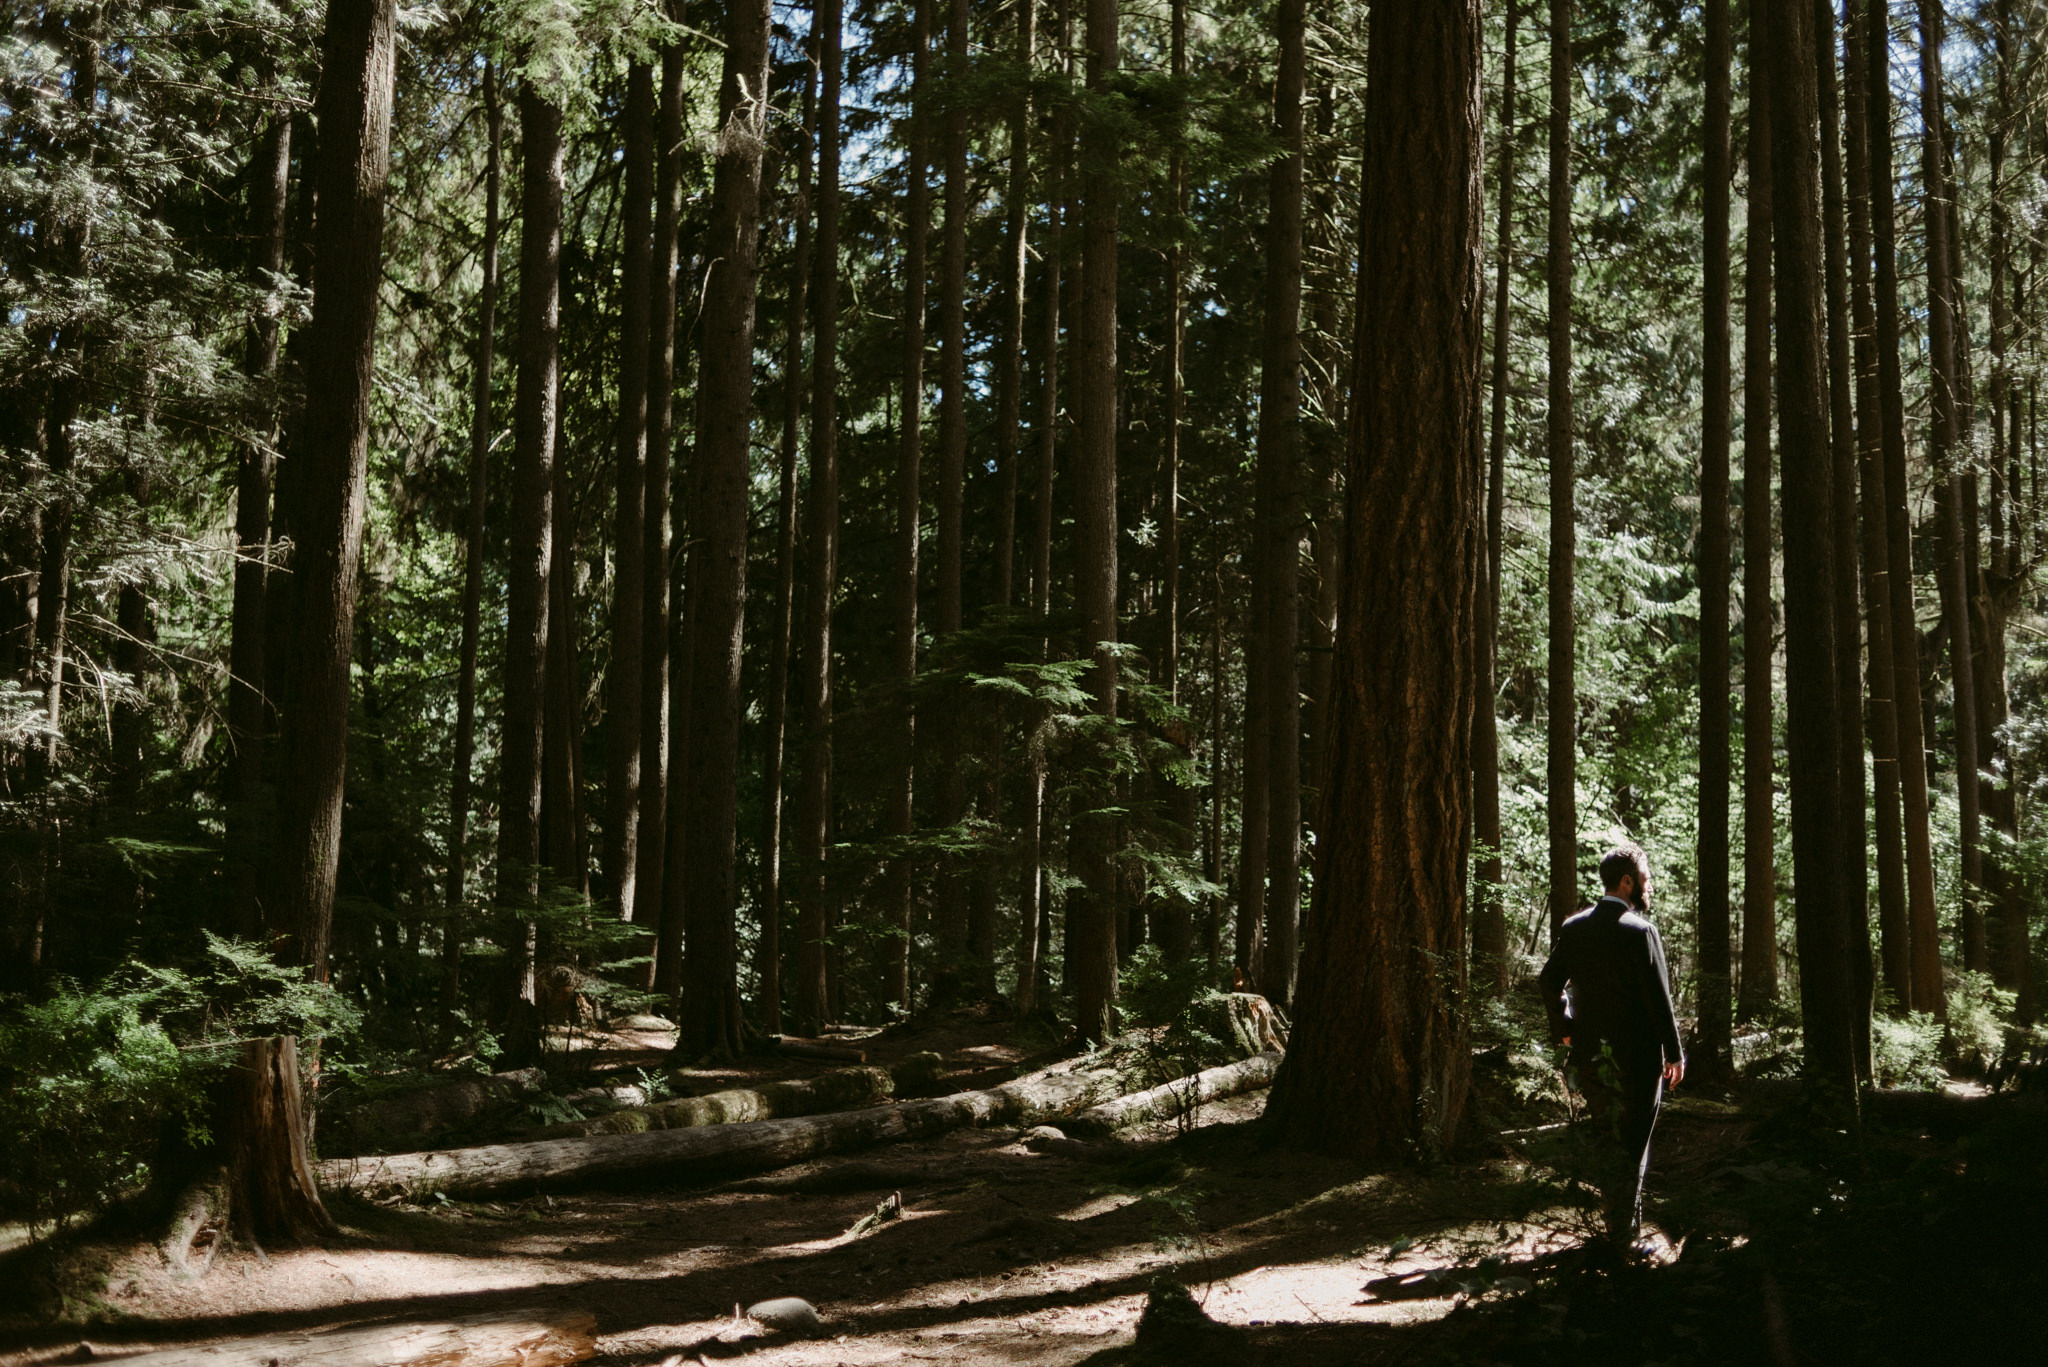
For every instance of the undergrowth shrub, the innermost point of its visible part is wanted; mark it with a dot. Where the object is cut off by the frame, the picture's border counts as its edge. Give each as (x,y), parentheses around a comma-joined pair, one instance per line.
(1905,1051)
(93,1078)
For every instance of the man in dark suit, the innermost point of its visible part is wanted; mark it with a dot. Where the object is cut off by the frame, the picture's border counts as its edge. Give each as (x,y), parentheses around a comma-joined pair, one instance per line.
(1609,996)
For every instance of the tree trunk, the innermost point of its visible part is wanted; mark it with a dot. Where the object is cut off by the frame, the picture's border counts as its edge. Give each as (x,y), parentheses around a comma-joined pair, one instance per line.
(814,803)
(902,819)
(1279,457)
(1091,906)
(248,708)
(530,570)
(480,431)
(1877,582)
(1946,455)
(1561,769)
(1855,868)
(1759,803)
(624,696)
(564,844)
(1712,1055)
(710,1020)
(1922,924)
(651,878)
(1490,963)
(1378,1066)
(265,1128)
(1812,694)
(768,955)
(355,119)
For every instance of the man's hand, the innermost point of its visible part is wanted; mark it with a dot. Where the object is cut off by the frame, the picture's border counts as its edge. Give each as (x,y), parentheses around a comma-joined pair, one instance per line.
(1674,1073)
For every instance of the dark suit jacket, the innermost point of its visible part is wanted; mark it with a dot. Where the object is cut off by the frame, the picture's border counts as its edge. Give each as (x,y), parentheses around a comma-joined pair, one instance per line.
(1620,993)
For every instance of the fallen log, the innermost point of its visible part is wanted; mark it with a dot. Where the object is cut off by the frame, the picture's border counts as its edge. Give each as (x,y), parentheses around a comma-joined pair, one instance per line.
(417,1116)
(1179,1096)
(811,1048)
(547,1338)
(843,1089)
(715,1150)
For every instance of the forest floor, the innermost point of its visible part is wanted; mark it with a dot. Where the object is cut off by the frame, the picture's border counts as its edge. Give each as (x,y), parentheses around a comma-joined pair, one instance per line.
(1005,1254)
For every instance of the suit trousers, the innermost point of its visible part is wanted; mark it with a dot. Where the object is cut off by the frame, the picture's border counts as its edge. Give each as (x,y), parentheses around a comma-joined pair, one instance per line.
(1623,1105)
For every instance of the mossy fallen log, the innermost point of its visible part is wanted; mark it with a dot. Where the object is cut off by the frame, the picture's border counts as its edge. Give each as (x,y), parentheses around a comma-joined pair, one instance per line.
(549,1338)
(1180,1095)
(843,1089)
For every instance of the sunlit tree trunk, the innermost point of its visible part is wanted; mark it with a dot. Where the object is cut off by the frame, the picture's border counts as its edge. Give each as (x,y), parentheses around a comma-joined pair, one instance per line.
(821,526)
(1922,925)
(1378,1066)
(1759,800)
(710,1017)
(1711,1049)
(1807,461)
(1561,768)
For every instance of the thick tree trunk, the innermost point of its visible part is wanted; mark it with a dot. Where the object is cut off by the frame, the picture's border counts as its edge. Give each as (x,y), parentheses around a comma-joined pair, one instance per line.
(1922,923)
(624,697)
(1759,801)
(1888,823)
(1490,963)
(481,427)
(821,526)
(656,639)
(529,572)
(355,119)
(248,708)
(710,1018)
(1091,907)
(265,1126)
(564,839)
(1855,868)
(768,954)
(1712,1055)
(1279,457)
(1378,1066)
(1946,455)
(1561,767)
(902,818)
(1812,694)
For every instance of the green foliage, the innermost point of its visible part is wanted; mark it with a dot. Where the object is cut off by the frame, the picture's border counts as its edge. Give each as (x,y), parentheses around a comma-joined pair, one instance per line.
(1905,1051)
(1980,1014)
(94,1079)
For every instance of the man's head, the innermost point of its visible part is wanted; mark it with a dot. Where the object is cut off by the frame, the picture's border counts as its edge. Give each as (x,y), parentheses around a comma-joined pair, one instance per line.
(1625,873)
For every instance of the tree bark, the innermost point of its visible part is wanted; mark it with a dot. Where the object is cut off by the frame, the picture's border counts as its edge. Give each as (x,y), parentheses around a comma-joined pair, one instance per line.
(248,708)
(1812,693)
(1561,767)
(1946,457)
(529,571)
(710,1018)
(624,692)
(768,955)
(1712,1055)
(902,818)
(1378,1066)
(1922,924)
(1091,907)
(481,428)
(650,881)
(1180,1097)
(564,838)
(814,808)
(1855,868)
(1759,801)
(1888,820)
(1279,457)
(355,119)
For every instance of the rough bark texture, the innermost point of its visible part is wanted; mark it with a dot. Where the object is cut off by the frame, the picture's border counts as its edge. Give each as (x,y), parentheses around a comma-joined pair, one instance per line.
(902,819)
(1759,821)
(1711,1053)
(265,1129)
(1922,925)
(355,118)
(1812,693)
(529,571)
(1490,965)
(1561,767)
(1091,916)
(710,1016)
(1378,1066)
(821,527)
(1279,457)
(624,698)
(480,430)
